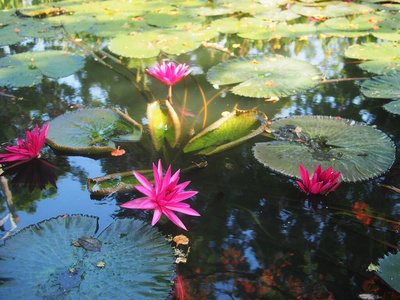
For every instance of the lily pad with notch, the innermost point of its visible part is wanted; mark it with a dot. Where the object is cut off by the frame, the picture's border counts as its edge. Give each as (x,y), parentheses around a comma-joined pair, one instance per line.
(92,131)
(229,131)
(39,261)
(265,77)
(358,151)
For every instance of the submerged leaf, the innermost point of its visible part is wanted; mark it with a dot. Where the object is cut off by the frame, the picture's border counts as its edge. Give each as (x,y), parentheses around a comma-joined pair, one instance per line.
(229,131)
(92,131)
(40,262)
(358,151)
(290,76)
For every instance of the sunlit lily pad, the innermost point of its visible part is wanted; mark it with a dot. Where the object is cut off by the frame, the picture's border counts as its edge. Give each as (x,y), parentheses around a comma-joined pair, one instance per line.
(229,131)
(92,131)
(177,18)
(280,31)
(26,69)
(41,261)
(265,77)
(116,183)
(358,151)
(387,86)
(149,43)
(389,270)
(393,107)
(164,123)
(9,35)
(383,58)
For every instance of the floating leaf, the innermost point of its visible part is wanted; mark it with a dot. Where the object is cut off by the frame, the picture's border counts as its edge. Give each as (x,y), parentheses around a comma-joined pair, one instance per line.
(149,43)
(229,131)
(265,77)
(386,87)
(40,262)
(178,18)
(358,151)
(10,36)
(280,31)
(92,131)
(393,107)
(26,69)
(384,58)
(389,270)
(163,123)
(116,183)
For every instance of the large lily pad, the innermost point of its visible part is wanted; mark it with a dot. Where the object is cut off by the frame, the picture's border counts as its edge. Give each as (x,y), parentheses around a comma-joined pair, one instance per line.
(149,43)
(27,69)
(356,150)
(116,183)
(383,58)
(389,270)
(265,77)
(279,31)
(92,131)
(393,107)
(132,260)
(164,123)
(382,87)
(229,131)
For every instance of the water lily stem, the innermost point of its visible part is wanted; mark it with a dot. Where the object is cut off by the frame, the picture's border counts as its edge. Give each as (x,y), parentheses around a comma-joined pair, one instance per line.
(170,94)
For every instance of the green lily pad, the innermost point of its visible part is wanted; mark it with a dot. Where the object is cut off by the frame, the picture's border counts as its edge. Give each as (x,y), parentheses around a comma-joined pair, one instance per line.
(358,151)
(265,77)
(324,30)
(386,87)
(361,23)
(229,131)
(393,107)
(9,35)
(40,262)
(280,31)
(344,9)
(383,58)
(92,131)
(164,124)
(389,270)
(27,69)
(116,183)
(177,18)
(278,15)
(149,43)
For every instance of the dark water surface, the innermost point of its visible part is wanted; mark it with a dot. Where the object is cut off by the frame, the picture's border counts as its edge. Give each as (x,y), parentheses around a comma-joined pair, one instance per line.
(258,235)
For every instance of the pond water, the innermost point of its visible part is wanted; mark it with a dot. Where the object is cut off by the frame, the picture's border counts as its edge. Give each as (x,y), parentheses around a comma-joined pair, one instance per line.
(258,235)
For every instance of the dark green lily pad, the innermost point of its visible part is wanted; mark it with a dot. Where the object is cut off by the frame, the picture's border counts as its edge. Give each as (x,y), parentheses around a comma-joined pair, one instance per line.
(40,262)
(383,58)
(265,77)
(149,43)
(229,131)
(92,131)
(386,87)
(358,151)
(389,270)
(116,183)
(393,107)
(164,124)
(27,69)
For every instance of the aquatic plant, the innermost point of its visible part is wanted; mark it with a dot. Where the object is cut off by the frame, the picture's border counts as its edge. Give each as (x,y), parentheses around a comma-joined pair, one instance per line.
(322,182)
(28,149)
(165,197)
(169,74)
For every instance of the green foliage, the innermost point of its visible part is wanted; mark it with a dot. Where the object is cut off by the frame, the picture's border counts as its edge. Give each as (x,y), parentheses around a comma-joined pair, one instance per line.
(40,261)
(386,87)
(389,270)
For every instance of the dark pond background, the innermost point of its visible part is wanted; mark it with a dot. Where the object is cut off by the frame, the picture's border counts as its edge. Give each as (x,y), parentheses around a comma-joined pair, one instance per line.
(258,235)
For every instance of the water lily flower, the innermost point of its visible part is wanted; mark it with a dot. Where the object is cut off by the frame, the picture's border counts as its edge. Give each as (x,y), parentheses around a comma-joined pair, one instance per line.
(169,74)
(164,197)
(322,182)
(28,149)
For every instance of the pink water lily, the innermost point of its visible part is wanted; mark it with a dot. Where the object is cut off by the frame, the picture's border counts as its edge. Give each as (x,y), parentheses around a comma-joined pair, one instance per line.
(28,149)
(169,74)
(322,182)
(165,197)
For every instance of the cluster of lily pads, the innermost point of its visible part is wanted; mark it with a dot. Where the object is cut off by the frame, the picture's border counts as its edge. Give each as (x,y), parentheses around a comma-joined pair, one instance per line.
(144,29)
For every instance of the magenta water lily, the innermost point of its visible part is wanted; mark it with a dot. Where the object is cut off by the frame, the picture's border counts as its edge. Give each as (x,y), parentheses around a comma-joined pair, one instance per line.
(321,183)
(164,197)
(169,74)
(28,149)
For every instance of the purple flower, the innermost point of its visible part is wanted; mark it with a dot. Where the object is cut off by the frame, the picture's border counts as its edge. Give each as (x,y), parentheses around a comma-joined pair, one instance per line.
(29,149)
(322,182)
(165,197)
(169,74)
